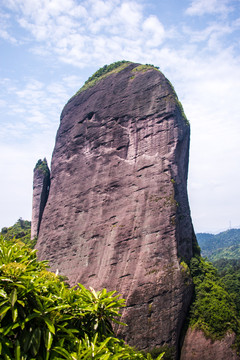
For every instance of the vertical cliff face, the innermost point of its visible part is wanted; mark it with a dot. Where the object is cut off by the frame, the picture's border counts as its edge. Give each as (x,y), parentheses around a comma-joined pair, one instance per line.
(41,184)
(117,214)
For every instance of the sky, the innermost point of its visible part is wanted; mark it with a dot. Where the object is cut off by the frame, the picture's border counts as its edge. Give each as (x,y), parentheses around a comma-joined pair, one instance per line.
(49,48)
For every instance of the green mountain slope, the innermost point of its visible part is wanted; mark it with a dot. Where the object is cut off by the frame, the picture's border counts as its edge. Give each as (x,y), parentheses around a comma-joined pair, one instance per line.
(21,230)
(223,245)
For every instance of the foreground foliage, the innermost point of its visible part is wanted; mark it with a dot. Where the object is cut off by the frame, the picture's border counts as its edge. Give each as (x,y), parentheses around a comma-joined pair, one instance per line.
(41,318)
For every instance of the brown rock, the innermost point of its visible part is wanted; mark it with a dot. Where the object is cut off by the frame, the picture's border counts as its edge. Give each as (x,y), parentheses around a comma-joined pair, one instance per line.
(197,347)
(117,215)
(41,184)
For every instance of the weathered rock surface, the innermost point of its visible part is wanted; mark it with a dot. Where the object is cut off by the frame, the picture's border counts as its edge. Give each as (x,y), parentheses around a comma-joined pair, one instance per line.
(117,214)
(41,184)
(197,347)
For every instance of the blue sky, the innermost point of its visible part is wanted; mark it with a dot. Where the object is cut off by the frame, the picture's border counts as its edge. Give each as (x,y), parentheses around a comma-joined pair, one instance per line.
(50,47)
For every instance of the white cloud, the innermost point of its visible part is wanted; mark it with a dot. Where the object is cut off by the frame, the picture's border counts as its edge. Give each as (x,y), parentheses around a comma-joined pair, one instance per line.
(72,32)
(34,106)
(203,69)
(202,7)
(101,8)
(215,30)
(4,34)
(153,31)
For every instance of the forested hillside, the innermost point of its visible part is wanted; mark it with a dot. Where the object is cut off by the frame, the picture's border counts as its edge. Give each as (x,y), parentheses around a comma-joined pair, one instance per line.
(223,250)
(223,245)
(20,230)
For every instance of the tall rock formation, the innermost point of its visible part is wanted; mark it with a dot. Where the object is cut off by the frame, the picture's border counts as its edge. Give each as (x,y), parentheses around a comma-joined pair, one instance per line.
(41,184)
(117,214)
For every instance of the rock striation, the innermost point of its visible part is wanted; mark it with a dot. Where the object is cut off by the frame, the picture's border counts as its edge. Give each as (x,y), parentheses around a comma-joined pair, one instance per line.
(117,214)
(41,184)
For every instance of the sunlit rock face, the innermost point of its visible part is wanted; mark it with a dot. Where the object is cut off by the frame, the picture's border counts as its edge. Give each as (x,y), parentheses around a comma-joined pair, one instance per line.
(117,214)
(197,347)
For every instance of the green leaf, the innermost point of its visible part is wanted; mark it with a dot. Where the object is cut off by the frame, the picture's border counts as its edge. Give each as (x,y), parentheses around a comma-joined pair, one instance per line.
(17,350)
(3,293)
(14,314)
(68,331)
(21,302)
(160,356)
(63,352)
(13,297)
(48,339)
(4,310)
(6,357)
(26,340)
(49,324)
(104,343)
(119,322)
(6,279)
(30,317)
(35,341)
(3,303)
(9,328)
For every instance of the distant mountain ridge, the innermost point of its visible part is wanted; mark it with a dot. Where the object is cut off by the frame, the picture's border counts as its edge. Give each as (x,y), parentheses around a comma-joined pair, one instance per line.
(223,245)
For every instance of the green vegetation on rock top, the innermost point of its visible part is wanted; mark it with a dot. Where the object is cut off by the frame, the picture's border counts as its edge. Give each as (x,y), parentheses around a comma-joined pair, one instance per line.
(146,67)
(102,73)
(107,70)
(42,165)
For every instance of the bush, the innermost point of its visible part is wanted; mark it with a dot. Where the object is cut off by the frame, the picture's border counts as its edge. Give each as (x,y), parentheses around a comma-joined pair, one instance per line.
(41,318)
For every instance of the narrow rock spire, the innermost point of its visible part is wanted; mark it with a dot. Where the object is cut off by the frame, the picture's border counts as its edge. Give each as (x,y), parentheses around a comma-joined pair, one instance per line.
(41,184)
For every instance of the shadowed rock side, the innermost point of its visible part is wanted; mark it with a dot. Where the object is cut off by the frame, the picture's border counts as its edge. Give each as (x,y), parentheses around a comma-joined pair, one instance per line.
(117,215)
(41,183)
(197,347)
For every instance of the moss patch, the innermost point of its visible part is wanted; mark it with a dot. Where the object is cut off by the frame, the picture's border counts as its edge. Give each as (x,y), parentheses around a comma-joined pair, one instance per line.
(144,68)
